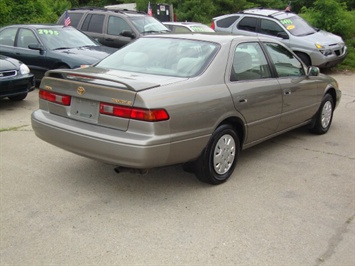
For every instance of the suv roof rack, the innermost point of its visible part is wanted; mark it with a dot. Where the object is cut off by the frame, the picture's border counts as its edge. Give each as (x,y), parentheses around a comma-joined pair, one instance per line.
(263,8)
(117,10)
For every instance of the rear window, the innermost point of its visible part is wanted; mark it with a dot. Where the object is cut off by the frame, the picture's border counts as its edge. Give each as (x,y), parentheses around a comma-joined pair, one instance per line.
(163,56)
(74,19)
(226,22)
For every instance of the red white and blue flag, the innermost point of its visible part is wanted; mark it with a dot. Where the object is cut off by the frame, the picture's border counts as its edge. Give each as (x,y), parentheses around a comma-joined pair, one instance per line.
(67,19)
(288,8)
(150,12)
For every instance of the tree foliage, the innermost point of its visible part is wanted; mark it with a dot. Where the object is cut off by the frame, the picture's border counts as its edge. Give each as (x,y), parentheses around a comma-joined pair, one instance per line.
(332,15)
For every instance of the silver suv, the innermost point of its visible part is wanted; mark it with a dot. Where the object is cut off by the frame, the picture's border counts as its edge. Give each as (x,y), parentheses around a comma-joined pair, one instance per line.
(315,47)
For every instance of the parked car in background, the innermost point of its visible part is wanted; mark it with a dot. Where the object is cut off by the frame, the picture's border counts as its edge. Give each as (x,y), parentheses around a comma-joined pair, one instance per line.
(113,27)
(196,99)
(315,47)
(44,47)
(186,27)
(16,81)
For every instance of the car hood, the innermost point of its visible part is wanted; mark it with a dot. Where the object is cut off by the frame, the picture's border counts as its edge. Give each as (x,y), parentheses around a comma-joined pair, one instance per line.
(86,54)
(7,63)
(115,78)
(324,38)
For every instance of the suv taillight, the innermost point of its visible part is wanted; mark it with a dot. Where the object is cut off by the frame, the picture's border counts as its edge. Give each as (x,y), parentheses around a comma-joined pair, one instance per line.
(212,25)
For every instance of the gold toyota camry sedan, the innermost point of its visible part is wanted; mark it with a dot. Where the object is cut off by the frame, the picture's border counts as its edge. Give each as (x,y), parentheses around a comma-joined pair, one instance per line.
(192,99)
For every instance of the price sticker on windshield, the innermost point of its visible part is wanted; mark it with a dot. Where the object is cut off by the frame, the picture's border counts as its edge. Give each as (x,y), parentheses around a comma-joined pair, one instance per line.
(48,32)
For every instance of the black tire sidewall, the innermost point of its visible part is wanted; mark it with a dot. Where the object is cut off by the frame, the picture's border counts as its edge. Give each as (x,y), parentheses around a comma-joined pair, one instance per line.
(318,128)
(205,169)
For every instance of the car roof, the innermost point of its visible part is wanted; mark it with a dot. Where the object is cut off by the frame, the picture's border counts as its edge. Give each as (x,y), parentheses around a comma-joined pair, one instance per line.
(209,37)
(36,26)
(112,10)
(266,12)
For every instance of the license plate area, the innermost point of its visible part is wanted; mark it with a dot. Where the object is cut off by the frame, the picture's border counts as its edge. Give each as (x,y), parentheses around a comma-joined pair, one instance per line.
(85,110)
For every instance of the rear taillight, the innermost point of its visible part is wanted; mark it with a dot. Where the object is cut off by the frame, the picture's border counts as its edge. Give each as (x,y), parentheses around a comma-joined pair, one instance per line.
(212,25)
(55,97)
(150,115)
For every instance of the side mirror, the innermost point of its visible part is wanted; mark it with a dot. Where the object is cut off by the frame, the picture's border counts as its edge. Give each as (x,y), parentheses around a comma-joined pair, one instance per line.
(283,35)
(127,33)
(313,71)
(35,46)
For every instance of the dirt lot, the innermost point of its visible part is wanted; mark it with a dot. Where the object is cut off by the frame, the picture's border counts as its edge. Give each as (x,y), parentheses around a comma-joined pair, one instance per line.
(291,201)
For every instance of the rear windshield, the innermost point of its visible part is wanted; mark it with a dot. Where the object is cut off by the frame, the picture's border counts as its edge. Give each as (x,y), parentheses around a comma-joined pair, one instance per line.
(297,26)
(163,56)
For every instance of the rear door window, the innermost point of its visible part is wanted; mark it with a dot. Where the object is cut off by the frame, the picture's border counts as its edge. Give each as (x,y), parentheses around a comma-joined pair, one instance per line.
(93,23)
(248,24)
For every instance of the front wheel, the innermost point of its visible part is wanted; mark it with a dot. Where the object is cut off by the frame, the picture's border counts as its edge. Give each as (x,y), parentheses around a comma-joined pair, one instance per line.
(324,116)
(218,160)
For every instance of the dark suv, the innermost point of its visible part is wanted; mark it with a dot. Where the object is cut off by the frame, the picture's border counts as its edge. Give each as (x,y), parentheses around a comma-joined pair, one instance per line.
(113,27)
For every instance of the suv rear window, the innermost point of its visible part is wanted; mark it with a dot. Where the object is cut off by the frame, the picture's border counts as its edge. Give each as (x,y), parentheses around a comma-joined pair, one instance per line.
(74,19)
(93,23)
(227,22)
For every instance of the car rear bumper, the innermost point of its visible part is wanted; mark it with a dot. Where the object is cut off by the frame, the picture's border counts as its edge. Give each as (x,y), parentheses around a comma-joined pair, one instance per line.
(111,145)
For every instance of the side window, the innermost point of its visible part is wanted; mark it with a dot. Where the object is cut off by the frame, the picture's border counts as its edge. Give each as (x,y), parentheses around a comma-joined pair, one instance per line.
(248,23)
(285,62)
(93,23)
(270,27)
(117,25)
(7,37)
(25,38)
(181,29)
(249,62)
(227,22)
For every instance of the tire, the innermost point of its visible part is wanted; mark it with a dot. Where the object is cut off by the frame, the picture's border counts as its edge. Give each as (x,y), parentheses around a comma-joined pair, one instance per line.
(305,58)
(218,160)
(324,116)
(18,98)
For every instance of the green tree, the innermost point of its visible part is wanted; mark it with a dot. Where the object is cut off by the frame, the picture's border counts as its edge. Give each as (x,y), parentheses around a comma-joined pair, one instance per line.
(331,15)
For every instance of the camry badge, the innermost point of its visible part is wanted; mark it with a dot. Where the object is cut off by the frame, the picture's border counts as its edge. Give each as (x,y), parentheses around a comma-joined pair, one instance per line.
(80,90)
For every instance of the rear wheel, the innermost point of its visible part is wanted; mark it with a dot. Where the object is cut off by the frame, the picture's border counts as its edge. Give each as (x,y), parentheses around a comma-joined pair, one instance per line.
(219,158)
(324,116)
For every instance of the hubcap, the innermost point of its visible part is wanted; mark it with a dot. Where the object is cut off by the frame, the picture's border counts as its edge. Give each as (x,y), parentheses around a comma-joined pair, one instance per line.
(326,114)
(224,154)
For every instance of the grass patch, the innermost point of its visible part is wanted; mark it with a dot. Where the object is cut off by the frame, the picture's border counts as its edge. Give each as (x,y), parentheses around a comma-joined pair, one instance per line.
(349,62)
(12,128)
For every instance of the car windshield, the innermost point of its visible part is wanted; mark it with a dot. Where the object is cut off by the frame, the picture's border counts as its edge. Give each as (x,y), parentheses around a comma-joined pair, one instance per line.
(163,56)
(297,26)
(63,38)
(147,24)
